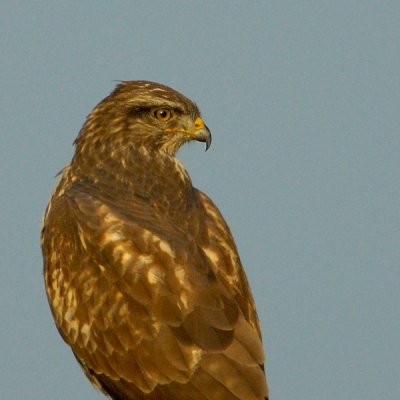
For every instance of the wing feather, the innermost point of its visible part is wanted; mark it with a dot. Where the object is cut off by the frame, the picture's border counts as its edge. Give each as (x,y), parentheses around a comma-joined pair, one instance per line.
(144,306)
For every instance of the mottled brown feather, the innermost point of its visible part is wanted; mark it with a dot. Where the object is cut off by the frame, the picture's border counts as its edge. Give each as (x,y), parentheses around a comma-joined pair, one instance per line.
(142,274)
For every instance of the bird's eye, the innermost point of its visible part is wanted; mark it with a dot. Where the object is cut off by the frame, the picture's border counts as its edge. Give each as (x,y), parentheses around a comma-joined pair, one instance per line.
(163,115)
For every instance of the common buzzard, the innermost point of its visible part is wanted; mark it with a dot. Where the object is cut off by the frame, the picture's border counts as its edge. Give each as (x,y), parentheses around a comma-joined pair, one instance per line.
(141,271)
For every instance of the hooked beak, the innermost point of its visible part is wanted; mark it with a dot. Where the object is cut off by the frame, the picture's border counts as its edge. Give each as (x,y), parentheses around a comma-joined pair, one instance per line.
(202,133)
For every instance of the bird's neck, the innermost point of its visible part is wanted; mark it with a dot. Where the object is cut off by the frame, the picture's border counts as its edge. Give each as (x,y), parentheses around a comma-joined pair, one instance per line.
(156,176)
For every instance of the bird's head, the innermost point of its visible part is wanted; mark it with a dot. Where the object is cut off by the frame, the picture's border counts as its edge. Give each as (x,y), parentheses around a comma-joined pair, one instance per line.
(142,114)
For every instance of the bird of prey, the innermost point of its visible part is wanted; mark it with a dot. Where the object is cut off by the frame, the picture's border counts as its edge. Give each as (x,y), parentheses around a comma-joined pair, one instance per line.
(142,274)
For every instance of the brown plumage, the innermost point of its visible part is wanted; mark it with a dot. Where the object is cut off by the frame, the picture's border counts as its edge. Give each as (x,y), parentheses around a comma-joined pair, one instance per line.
(141,271)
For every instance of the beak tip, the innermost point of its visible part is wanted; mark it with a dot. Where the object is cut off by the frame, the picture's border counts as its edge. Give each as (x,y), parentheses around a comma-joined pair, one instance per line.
(208,142)
(208,138)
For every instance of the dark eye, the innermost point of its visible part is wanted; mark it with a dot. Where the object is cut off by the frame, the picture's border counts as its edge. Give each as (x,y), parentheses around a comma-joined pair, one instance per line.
(163,115)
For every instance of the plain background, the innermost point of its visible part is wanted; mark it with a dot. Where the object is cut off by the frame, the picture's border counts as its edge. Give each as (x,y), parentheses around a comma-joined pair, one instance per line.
(302,98)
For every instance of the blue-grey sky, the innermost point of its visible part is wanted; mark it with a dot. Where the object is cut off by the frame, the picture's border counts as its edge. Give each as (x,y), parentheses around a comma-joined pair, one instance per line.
(302,98)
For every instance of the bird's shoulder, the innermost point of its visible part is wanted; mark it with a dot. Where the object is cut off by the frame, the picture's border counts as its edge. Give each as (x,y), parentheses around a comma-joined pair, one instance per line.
(220,248)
